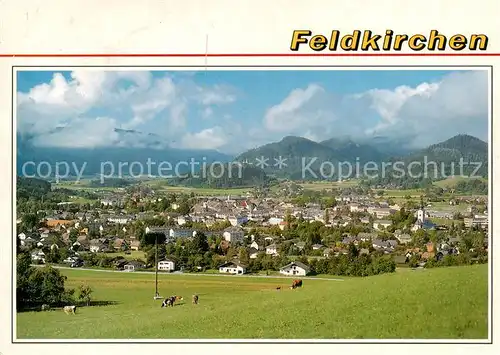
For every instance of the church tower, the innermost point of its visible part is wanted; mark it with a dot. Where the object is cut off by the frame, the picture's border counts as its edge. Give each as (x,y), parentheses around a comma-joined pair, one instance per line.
(421,215)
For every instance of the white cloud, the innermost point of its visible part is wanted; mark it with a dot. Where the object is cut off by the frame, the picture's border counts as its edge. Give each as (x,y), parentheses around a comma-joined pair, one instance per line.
(210,138)
(424,114)
(131,99)
(99,132)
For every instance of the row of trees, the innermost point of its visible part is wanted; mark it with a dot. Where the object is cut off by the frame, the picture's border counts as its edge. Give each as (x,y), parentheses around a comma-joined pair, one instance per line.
(36,286)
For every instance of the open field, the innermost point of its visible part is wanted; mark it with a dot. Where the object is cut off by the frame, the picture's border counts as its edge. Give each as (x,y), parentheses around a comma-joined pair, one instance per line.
(452,181)
(431,304)
(134,254)
(322,185)
(205,191)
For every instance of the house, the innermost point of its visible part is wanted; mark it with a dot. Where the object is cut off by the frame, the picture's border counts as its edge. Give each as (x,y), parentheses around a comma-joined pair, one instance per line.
(232,267)
(380,212)
(120,244)
(38,256)
(237,220)
(317,246)
(300,245)
(51,223)
(255,245)
(403,238)
(381,224)
(182,220)
(134,265)
(272,249)
(135,244)
(253,253)
(97,246)
(233,234)
(275,221)
(295,268)
(119,219)
(166,265)
(327,252)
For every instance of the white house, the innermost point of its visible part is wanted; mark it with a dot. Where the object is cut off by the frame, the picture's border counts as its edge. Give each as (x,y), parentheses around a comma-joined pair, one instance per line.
(272,249)
(232,267)
(237,220)
(255,245)
(233,234)
(295,268)
(166,265)
(38,256)
(119,219)
(182,220)
(275,220)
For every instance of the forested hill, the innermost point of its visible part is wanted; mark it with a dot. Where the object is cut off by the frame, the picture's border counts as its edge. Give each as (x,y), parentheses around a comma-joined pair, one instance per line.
(225,176)
(31,187)
(461,155)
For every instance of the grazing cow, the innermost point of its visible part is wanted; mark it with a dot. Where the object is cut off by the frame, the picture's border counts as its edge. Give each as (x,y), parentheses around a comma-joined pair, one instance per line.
(170,301)
(45,307)
(195,299)
(296,283)
(69,309)
(278,288)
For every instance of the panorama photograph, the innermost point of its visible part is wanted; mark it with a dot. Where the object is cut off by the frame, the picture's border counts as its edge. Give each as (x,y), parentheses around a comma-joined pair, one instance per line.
(251,204)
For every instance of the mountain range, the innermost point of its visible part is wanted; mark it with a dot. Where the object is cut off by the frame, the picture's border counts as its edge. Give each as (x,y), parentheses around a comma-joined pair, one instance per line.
(126,146)
(285,158)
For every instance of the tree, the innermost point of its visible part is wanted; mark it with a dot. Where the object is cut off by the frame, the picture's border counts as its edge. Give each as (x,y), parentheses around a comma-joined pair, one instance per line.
(200,243)
(73,235)
(353,252)
(85,294)
(244,257)
(149,239)
(29,221)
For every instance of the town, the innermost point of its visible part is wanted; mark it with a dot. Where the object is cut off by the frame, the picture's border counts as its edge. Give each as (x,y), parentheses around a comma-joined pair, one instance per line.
(290,231)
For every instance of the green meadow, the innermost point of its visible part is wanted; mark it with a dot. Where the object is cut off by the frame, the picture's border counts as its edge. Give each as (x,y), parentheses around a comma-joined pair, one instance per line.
(443,303)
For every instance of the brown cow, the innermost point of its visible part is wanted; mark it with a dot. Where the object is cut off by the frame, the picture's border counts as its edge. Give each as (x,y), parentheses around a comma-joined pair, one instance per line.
(296,283)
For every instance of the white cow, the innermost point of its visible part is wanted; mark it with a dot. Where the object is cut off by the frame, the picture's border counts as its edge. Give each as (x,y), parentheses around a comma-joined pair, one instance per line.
(69,309)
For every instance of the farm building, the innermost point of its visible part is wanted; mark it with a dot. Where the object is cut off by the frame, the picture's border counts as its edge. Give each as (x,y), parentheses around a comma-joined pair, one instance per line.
(295,268)
(232,267)
(166,265)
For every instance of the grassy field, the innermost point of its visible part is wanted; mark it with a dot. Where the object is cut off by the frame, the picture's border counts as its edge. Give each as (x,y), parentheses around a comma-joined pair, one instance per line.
(205,191)
(134,254)
(443,303)
(328,185)
(452,181)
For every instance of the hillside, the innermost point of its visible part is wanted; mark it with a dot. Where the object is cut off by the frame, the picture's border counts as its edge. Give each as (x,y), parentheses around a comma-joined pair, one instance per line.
(292,150)
(461,155)
(298,152)
(348,150)
(227,176)
(31,187)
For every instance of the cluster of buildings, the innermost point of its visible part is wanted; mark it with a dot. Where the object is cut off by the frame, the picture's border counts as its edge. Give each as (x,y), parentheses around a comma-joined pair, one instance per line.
(240,212)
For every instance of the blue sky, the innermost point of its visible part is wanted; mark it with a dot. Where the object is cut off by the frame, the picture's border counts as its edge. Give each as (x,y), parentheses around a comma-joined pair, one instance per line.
(232,111)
